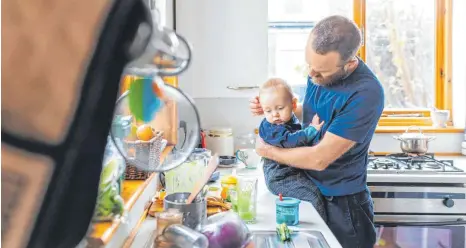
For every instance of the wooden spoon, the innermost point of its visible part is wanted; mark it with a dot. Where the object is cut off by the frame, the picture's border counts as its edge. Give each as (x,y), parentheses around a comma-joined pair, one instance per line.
(211,167)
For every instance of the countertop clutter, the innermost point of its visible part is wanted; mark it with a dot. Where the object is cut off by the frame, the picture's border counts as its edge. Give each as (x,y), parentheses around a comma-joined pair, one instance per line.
(138,231)
(310,222)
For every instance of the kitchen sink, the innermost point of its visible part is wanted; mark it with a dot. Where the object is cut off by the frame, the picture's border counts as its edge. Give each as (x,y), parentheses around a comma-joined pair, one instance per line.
(299,239)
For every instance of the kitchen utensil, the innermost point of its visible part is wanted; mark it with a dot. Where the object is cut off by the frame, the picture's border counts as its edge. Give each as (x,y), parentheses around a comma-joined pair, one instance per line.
(414,143)
(287,211)
(211,167)
(248,157)
(174,100)
(183,236)
(246,198)
(220,141)
(167,54)
(204,192)
(194,214)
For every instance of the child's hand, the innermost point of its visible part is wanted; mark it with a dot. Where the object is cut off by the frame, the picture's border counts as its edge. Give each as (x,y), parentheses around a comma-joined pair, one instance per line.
(316,122)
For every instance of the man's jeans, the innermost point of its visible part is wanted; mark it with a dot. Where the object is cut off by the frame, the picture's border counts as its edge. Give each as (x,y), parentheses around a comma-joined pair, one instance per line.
(351,219)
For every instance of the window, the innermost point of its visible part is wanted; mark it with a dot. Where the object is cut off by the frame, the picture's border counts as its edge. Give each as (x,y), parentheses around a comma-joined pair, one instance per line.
(290,23)
(407,43)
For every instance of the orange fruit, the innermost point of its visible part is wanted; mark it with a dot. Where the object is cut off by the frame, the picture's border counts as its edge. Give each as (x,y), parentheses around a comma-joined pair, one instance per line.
(145,132)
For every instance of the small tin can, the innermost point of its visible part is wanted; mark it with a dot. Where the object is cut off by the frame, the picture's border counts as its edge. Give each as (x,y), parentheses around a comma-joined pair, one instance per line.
(287,211)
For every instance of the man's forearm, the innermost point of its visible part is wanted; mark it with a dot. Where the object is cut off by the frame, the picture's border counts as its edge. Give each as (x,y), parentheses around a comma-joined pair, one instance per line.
(317,157)
(299,157)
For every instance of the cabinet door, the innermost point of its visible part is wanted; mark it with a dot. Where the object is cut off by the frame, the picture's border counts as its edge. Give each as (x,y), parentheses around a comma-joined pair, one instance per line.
(229,40)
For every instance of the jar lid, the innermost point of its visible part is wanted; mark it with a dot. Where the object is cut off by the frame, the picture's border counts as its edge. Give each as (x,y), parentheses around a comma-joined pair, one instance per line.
(287,202)
(221,130)
(229,179)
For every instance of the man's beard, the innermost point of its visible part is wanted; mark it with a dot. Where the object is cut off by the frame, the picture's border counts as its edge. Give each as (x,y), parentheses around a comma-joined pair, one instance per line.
(332,79)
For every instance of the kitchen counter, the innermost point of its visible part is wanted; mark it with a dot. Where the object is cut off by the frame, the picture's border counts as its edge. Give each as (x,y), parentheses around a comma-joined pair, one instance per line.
(309,218)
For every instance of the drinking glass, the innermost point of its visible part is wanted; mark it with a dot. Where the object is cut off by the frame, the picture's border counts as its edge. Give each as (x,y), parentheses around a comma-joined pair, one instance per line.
(246,198)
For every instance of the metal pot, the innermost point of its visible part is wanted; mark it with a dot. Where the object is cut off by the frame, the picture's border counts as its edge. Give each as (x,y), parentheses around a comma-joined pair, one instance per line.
(415,143)
(194,214)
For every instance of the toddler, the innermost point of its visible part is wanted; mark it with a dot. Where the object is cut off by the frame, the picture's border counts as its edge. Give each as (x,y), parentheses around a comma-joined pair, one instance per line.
(282,128)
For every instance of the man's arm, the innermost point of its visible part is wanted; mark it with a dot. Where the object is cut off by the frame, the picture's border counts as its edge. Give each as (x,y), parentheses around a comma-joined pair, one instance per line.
(352,125)
(317,157)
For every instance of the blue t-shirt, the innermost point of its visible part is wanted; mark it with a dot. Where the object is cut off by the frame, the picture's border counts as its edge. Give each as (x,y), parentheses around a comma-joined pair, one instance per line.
(351,109)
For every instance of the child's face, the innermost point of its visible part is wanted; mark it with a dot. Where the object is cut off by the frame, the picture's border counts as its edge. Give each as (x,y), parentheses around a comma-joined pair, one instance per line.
(278,106)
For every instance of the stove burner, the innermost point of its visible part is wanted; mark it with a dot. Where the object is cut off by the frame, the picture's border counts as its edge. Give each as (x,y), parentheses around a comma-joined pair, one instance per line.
(416,164)
(432,165)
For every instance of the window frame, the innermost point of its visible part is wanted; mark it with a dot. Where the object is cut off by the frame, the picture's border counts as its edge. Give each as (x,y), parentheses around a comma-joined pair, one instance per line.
(401,118)
(443,67)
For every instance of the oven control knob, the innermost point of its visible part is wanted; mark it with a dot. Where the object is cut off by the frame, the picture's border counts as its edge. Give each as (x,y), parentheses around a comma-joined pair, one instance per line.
(448,202)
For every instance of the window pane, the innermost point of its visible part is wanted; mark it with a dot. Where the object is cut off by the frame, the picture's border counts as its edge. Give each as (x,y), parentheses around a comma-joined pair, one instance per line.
(290,22)
(401,50)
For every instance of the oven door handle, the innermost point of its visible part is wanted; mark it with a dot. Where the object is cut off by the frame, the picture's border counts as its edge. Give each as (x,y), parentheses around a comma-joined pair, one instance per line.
(437,223)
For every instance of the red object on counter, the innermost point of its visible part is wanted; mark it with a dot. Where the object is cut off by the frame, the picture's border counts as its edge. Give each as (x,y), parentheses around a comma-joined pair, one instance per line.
(280,196)
(203,139)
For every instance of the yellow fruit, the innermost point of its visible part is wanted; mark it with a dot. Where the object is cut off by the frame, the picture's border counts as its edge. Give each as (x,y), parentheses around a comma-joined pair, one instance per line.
(145,132)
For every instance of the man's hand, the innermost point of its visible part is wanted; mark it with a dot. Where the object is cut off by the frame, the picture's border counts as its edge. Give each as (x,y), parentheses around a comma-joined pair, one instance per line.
(255,106)
(262,148)
(316,122)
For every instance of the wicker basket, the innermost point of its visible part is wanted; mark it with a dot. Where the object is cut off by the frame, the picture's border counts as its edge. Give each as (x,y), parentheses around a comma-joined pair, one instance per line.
(146,151)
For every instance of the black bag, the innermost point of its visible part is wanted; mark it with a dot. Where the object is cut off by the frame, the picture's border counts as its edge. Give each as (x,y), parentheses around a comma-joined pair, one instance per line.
(51,170)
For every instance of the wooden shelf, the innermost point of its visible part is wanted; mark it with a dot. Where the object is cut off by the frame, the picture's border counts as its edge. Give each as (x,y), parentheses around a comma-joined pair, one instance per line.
(103,232)
(425,129)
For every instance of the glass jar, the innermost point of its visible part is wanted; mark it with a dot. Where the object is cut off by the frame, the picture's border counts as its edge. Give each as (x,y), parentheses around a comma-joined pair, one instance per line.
(184,177)
(167,218)
(221,141)
(245,141)
(229,189)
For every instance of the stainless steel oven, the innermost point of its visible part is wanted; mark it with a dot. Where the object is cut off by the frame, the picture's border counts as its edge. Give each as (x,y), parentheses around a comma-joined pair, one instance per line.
(420,231)
(419,202)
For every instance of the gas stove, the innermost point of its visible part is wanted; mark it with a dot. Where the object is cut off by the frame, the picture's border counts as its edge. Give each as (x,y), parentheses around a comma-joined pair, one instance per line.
(401,167)
(416,187)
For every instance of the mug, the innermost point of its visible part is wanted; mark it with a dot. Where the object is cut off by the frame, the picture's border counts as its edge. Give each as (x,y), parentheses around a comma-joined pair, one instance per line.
(440,118)
(248,157)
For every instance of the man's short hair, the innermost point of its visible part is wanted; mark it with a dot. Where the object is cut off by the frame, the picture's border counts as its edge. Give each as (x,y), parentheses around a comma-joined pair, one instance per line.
(277,83)
(336,34)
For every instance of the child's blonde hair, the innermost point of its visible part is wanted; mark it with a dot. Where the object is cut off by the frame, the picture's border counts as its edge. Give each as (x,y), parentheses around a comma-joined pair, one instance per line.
(277,83)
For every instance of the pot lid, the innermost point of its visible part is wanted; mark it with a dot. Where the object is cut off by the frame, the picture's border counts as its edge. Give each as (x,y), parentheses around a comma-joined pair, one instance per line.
(287,202)
(413,132)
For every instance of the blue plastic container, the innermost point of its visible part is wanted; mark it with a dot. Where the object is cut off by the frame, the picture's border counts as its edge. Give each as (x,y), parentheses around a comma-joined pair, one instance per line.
(287,211)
